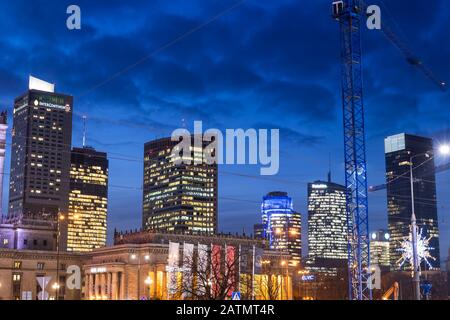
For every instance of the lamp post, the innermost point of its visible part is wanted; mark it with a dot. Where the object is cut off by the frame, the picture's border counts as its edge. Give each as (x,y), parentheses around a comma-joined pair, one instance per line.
(56,286)
(284,264)
(137,256)
(444,150)
(148,281)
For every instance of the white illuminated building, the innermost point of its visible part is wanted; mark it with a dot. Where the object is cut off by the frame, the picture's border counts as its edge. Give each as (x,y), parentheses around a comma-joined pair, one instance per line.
(379,249)
(327,225)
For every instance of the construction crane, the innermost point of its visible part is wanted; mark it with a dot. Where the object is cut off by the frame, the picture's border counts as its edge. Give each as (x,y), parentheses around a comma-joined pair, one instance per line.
(351,17)
(410,57)
(438,169)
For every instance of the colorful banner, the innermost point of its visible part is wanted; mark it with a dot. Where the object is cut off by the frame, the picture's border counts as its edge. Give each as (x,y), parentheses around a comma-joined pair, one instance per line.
(216,276)
(245,260)
(188,268)
(173,266)
(230,268)
(258,259)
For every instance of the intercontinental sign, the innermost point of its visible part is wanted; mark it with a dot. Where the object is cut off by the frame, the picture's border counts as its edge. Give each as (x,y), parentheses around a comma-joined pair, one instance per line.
(46,101)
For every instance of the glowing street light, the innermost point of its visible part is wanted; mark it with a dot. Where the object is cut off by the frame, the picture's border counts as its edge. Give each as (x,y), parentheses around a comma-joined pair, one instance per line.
(148,281)
(444,149)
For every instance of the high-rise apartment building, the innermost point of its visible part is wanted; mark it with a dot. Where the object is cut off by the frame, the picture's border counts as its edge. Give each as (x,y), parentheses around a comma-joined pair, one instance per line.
(88,200)
(178,197)
(327,225)
(282,225)
(399,151)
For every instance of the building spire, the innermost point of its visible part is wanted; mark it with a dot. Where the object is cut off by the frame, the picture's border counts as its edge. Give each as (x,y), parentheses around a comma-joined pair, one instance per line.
(84,131)
(329,167)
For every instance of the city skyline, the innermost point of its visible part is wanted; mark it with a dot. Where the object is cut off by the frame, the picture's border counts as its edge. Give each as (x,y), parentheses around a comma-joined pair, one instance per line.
(302,99)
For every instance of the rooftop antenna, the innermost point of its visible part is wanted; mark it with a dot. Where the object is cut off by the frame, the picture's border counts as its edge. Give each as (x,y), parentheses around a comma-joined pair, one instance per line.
(84,131)
(329,167)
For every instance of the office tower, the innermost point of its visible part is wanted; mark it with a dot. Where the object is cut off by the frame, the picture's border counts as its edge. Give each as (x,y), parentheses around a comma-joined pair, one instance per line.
(282,225)
(178,197)
(399,149)
(327,226)
(258,231)
(3,128)
(88,200)
(379,249)
(40,155)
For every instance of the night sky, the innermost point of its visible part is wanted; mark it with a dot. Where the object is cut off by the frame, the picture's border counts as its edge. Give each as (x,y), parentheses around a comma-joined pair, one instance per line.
(261,64)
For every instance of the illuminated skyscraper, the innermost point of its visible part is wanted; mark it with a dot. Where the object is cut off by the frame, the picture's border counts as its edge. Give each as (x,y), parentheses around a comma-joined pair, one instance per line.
(3,128)
(282,225)
(88,200)
(327,225)
(399,149)
(40,154)
(178,198)
(379,249)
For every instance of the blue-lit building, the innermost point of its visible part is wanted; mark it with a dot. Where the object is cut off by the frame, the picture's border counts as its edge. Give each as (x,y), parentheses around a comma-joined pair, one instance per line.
(282,225)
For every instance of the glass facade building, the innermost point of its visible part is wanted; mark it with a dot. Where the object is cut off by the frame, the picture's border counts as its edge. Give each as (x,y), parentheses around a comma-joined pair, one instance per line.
(40,156)
(282,225)
(379,249)
(327,225)
(398,152)
(178,197)
(88,200)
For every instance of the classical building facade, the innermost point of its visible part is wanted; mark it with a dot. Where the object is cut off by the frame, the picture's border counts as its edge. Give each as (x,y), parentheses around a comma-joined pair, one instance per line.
(136,267)
(20,271)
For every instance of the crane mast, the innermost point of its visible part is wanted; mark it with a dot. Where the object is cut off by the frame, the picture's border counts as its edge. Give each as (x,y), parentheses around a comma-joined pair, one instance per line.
(350,16)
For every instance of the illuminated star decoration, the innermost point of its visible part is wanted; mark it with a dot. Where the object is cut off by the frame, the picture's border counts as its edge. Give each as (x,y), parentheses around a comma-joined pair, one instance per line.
(423,250)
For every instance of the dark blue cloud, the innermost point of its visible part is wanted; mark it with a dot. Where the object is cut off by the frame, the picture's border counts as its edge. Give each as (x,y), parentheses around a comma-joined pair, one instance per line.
(264,63)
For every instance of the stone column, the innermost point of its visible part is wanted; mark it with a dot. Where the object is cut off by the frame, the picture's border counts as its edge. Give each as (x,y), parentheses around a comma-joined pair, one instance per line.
(114,286)
(154,284)
(164,287)
(103,285)
(122,286)
(91,286)
(108,286)
(96,284)
(86,287)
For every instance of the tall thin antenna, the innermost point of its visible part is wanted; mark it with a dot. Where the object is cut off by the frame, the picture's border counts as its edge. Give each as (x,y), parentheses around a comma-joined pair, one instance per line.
(84,131)
(329,167)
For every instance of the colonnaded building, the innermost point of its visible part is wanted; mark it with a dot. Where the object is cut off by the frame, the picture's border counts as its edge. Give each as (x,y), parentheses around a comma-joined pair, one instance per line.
(140,265)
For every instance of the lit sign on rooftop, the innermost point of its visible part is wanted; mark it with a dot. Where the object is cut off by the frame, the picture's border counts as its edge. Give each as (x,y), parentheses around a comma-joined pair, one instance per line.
(319,186)
(41,85)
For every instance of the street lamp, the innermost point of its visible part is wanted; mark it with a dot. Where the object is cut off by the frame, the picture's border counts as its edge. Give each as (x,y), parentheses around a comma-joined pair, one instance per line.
(60,218)
(56,287)
(148,281)
(443,150)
